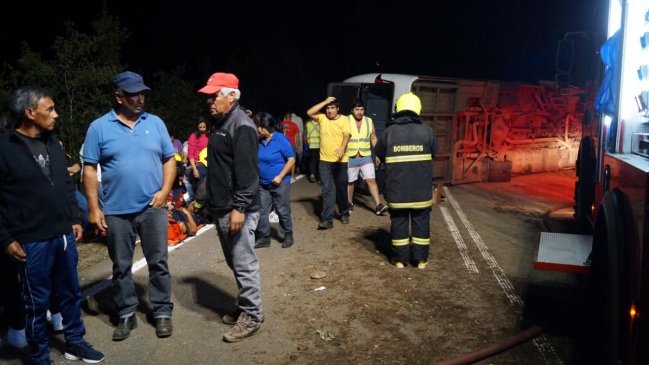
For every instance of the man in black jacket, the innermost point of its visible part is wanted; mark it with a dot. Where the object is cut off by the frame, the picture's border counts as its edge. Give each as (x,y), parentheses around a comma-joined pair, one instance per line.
(408,147)
(39,223)
(233,199)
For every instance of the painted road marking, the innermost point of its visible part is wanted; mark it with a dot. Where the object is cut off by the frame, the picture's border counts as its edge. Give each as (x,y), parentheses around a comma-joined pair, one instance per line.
(542,345)
(141,263)
(459,241)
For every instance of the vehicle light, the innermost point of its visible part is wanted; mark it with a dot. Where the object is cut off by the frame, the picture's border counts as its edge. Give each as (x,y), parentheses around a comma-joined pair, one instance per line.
(607,120)
(632,312)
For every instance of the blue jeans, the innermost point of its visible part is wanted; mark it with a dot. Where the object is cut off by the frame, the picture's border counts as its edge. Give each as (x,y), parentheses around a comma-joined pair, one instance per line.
(151,225)
(280,197)
(239,252)
(51,268)
(334,184)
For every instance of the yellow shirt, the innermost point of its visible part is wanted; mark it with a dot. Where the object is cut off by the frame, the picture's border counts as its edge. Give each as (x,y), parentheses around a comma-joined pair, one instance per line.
(331,137)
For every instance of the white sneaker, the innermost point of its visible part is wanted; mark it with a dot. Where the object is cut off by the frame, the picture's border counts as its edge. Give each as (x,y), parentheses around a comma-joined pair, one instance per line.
(16,338)
(273,217)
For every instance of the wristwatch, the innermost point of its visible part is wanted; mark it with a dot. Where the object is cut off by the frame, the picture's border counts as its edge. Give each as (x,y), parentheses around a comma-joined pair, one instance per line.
(240,209)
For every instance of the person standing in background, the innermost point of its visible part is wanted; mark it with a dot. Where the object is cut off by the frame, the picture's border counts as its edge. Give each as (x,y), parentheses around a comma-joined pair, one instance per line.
(334,136)
(197,170)
(359,151)
(276,158)
(312,139)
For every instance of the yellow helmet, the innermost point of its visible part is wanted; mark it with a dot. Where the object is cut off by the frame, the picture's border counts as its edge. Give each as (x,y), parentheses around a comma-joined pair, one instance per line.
(408,101)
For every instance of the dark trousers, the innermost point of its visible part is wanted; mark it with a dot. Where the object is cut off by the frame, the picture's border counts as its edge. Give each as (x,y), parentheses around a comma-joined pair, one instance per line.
(280,197)
(51,264)
(314,162)
(407,246)
(151,225)
(10,293)
(334,188)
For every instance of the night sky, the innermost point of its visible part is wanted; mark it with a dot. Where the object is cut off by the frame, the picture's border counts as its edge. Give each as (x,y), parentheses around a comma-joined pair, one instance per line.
(285,52)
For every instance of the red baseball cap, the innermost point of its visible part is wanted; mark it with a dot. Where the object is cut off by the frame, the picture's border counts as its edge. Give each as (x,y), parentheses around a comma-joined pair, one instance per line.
(218,81)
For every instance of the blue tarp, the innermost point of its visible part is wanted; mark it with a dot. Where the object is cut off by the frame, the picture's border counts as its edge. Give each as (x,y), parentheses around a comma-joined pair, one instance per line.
(606,95)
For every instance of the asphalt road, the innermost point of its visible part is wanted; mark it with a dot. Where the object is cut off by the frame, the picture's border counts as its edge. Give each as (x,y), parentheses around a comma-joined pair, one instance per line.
(491,228)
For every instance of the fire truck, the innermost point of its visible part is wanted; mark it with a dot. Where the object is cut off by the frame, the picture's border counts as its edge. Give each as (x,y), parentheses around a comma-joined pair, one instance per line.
(612,192)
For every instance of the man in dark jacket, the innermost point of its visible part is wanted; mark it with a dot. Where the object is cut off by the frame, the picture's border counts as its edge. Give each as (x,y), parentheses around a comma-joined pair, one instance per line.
(407,147)
(233,199)
(39,222)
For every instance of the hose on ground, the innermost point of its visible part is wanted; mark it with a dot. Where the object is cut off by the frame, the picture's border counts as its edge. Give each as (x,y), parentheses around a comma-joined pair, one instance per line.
(511,341)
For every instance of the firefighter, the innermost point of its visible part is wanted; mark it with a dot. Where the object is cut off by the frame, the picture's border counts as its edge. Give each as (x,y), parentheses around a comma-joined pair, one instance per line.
(407,147)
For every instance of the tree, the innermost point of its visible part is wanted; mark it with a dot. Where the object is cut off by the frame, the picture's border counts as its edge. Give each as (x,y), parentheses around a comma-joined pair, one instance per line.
(175,101)
(78,75)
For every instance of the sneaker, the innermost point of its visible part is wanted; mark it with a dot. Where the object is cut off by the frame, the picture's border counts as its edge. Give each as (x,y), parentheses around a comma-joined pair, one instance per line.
(273,217)
(344,219)
(83,351)
(380,209)
(399,265)
(262,242)
(422,265)
(231,318)
(325,225)
(351,207)
(312,178)
(245,327)
(57,322)
(16,338)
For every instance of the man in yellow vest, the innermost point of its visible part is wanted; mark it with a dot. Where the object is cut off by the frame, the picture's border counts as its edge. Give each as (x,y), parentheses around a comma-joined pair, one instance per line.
(359,151)
(312,139)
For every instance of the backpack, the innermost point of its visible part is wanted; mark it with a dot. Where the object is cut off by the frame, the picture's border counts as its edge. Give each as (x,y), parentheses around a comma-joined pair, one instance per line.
(175,233)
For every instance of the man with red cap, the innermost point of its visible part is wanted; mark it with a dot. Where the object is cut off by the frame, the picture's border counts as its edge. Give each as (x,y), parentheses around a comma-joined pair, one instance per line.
(233,199)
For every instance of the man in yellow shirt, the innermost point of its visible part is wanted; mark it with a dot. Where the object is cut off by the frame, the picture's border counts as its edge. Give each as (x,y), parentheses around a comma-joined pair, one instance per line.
(334,137)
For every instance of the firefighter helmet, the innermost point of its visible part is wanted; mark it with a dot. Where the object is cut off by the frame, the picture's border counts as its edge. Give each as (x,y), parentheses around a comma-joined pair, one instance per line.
(408,101)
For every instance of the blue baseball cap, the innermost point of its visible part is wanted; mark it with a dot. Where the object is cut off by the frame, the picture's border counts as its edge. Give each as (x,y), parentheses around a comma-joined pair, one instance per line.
(129,82)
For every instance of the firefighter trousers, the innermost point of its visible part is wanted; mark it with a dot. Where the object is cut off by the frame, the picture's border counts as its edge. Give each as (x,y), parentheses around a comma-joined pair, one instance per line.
(410,231)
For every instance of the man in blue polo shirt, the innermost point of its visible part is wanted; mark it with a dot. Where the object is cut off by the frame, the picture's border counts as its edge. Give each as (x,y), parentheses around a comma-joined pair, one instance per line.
(138,170)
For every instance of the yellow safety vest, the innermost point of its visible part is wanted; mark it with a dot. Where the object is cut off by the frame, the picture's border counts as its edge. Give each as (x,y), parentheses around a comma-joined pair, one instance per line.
(360,140)
(313,134)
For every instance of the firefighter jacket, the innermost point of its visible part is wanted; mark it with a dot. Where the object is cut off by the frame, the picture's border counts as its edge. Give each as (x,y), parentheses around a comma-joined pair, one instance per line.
(407,148)
(359,142)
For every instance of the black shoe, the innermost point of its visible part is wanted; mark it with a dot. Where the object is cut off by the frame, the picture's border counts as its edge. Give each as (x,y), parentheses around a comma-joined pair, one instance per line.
(351,207)
(262,242)
(325,225)
(380,209)
(124,327)
(312,178)
(163,327)
(344,219)
(288,240)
